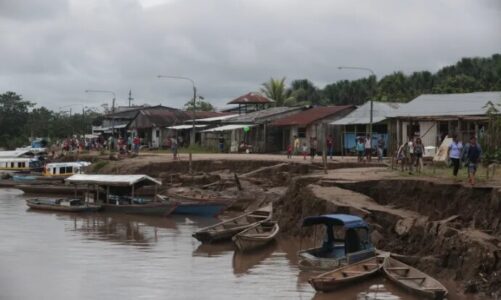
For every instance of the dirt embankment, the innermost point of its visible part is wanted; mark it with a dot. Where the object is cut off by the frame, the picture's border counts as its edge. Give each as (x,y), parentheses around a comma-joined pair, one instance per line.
(449,231)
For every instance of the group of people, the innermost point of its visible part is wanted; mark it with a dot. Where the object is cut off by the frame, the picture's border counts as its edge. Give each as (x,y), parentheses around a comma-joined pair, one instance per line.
(410,154)
(364,148)
(468,154)
(297,148)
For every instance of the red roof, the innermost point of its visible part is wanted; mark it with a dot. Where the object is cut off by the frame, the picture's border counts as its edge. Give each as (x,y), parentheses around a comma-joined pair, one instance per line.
(311,115)
(251,98)
(206,114)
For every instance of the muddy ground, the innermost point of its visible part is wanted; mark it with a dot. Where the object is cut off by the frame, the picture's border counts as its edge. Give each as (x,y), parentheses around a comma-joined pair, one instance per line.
(449,230)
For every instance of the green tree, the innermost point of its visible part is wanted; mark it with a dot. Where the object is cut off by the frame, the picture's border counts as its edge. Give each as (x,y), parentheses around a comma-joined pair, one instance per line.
(14,113)
(303,91)
(275,90)
(200,105)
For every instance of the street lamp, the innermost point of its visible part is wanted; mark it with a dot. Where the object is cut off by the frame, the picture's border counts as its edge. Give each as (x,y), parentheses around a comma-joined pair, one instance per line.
(194,99)
(371,99)
(112,107)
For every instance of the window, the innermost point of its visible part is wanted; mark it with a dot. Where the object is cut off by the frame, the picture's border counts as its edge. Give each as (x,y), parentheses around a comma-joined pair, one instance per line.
(54,171)
(157,133)
(301,132)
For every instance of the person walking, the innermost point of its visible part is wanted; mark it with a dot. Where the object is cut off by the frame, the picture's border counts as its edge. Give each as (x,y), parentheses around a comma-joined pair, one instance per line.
(360,149)
(221,143)
(330,146)
(313,147)
(137,142)
(173,147)
(297,145)
(289,151)
(304,150)
(380,148)
(454,153)
(473,155)
(418,155)
(368,148)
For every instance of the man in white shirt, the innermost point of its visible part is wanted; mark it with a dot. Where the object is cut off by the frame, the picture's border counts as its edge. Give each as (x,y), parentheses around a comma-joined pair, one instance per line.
(454,153)
(368,148)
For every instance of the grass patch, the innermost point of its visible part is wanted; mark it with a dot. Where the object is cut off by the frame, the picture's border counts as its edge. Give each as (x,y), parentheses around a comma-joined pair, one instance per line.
(99,165)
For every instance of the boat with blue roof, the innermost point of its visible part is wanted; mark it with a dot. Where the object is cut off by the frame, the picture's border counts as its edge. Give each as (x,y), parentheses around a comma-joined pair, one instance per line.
(346,241)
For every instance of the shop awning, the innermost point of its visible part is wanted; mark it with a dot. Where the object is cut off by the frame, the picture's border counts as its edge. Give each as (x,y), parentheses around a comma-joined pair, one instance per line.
(181,127)
(229,127)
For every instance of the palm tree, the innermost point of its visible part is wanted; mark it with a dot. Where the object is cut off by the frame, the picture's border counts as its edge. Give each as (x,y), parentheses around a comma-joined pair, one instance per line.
(275,90)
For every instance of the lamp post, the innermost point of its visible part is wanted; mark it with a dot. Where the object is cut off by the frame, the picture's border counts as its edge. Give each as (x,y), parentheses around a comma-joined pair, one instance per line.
(193,136)
(371,100)
(112,107)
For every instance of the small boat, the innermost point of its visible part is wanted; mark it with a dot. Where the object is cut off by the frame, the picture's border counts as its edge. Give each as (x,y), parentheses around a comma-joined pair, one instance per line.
(67,205)
(53,189)
(347,275)
(413,280)
(225,230)
(65,169)
(24,178)
(256,236)
(201,206)
(120,193)
(346,241)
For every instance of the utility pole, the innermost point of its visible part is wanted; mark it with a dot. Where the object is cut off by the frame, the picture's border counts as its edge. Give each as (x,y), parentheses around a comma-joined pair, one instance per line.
(130,97)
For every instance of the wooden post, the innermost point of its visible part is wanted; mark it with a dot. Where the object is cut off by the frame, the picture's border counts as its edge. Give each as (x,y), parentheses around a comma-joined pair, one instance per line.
(190,170)
(97,192)
(324,146)
(108,194)
(132,193)
(237,181)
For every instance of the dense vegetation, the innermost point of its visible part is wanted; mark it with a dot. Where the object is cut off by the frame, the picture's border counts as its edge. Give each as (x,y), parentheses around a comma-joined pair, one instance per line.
(467,75)
(20,119)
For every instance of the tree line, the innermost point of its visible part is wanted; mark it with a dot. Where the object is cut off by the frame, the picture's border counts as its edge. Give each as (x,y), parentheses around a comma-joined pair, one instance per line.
(20,120)
(467,75)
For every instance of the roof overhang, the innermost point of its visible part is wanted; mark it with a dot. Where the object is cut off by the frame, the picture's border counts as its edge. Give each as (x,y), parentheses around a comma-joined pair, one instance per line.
(113,180)
(347,221)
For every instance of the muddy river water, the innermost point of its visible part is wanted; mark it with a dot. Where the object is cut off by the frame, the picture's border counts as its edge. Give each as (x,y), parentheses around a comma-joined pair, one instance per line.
(48,255)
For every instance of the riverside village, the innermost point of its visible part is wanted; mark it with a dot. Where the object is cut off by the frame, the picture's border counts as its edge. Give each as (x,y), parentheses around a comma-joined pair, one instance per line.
(210,182)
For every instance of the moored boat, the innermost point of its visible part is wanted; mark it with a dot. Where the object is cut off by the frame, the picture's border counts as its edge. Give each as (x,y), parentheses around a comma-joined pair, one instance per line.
(256,236)
(119,193)
(347,275)
(61,204)
(65,169)
(350,244)
(200,208)
(225,230)
(413,280)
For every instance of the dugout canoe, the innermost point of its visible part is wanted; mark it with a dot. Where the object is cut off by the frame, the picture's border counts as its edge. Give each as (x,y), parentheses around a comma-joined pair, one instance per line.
(347,275)
(225,230)
(256,236)
(413,280)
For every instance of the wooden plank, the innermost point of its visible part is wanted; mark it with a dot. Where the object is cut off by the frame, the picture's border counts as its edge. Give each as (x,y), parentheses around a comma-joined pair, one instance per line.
(411,278)
(398,268)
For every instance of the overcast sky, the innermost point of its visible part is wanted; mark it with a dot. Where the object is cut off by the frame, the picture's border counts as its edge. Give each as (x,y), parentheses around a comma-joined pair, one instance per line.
(53,50)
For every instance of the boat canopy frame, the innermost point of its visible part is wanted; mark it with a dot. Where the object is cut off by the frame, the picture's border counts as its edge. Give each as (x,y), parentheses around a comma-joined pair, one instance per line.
(347,221)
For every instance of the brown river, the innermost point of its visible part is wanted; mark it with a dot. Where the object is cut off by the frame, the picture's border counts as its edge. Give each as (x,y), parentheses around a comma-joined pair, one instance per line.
(49,255)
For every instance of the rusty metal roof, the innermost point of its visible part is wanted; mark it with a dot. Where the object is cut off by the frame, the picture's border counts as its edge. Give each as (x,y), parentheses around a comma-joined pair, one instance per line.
(251,98)
(311,115)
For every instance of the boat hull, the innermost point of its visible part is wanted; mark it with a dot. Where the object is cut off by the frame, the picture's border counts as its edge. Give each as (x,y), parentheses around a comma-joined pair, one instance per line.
(413,280)
(62,208)
(347,275)
(309,261)
(199,209)
(246,241)
(151,209)
(225,230)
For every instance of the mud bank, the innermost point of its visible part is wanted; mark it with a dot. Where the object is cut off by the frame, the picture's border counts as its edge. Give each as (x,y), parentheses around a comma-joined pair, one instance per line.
(449,231)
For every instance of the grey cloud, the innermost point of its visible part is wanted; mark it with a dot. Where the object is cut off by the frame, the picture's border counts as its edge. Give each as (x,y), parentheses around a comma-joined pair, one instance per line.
(229,47)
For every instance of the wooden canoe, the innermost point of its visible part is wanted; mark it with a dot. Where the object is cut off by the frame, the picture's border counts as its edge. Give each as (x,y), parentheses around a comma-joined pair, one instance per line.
(256,236)
(413,280)
(66,205)
(347,275)
(225,230)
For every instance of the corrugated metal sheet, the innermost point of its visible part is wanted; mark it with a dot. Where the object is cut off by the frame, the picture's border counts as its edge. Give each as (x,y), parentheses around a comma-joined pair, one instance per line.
(229,127)
(361,115)
(309,116)
(262,115)
(180,127)
(449,104)
(251,98)
(115,180)
(220,118)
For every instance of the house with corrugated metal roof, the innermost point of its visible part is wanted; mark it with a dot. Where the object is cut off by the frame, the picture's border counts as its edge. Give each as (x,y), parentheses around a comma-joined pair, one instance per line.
(252,130)
(250,102)
(435,116)
(356,124)
(312,123)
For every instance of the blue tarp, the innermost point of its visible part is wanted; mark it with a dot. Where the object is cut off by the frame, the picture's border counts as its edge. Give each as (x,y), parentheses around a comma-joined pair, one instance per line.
(350,139)
(348,221)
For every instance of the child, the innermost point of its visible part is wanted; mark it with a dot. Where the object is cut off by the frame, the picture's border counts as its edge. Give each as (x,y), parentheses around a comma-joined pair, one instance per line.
(360,149)
(289,151)
(304,151)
